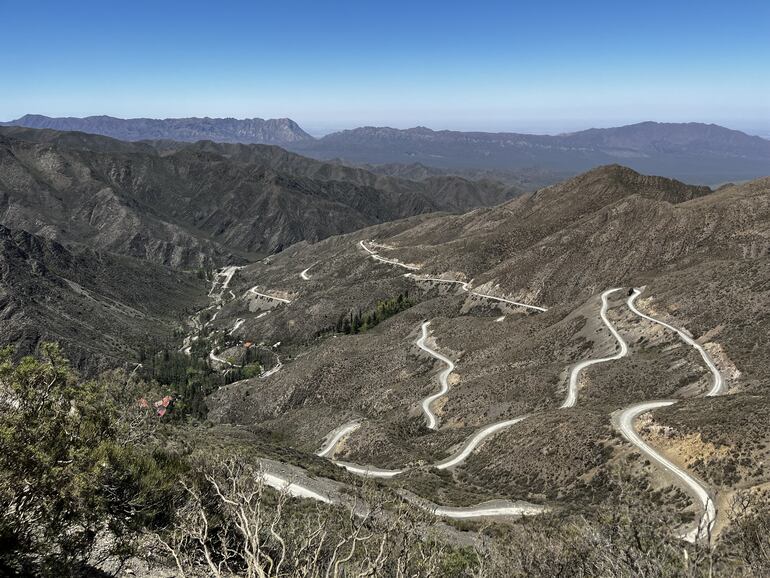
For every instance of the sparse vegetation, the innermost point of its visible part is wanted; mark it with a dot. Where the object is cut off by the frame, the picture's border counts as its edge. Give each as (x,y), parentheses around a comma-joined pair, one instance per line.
(100,469)
(74,468)
(357,322)
(92,467)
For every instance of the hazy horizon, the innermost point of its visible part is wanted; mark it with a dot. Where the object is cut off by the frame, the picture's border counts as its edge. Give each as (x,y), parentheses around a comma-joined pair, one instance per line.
(319,130)
(448,65)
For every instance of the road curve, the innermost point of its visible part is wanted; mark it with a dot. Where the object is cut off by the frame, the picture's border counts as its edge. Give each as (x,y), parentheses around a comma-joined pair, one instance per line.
(571,399)
(443,377)
(293,489)
(238,322)
(625,423)
(474,441)
(454,460)
(227,275)
(253,291)
(214,357)
(377,257)
(336,436)
(467,288)
(304,274)
(717,382)
(523,509)
(275,369)
(489,509)
(464,284)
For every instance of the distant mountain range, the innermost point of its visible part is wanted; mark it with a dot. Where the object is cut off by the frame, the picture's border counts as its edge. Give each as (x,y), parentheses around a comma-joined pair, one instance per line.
(249,130)
(699,153)
(695,152)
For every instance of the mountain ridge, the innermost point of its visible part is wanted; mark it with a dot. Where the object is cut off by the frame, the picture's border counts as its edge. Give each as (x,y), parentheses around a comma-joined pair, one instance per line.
(103,308)
(694,152)
(201,204)
(698,256)
(191,129)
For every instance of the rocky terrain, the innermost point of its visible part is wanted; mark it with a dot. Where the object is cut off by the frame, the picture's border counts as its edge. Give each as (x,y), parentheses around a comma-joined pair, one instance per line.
(699,254)
(103,309)
(201,205)
(481,365)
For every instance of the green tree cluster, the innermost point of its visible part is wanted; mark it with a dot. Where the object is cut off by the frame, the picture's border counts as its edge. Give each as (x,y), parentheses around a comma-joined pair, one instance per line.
(358,322)
(190,379)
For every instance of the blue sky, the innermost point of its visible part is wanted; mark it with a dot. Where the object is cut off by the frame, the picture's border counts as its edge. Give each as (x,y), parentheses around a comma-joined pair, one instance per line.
(544,66)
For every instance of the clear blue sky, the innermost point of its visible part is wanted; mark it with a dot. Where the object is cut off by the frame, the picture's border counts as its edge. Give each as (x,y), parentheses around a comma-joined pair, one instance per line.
(536,66)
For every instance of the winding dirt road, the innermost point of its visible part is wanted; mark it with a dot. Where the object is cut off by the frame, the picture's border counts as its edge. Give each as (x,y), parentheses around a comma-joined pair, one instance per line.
(625,424)
(572,390)
(442,378)
(377,257)
(624,420)
(717,382)
(223,276)
(474,441)
(216,358)
(253,291)
(496,508)
(336,436)
(273,370)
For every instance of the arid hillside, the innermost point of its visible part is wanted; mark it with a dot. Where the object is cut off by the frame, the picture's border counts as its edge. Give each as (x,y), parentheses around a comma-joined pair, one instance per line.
(103,309)
(201,204)
(344,320)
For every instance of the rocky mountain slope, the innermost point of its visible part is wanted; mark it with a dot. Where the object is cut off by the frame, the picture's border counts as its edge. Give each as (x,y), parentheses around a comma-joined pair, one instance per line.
(695,152)
(103,309)
(201,204)
(699,255)
(450,192)
(249,130)
(479,364)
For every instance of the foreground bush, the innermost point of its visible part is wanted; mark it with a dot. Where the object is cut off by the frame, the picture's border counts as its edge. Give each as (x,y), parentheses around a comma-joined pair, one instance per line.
(233,525)
(70,470)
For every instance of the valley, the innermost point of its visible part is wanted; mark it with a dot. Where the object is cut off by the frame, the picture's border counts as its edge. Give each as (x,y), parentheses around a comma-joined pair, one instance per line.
(345,441)
(543,358)
(385,290)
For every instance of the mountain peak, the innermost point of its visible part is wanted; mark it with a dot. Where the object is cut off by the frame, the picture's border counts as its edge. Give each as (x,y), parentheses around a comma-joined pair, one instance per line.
(608,184)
